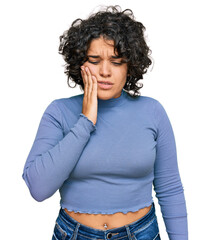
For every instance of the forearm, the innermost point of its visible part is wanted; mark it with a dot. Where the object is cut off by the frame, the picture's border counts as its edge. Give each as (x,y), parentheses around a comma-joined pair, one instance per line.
(167,181)
(44,173)
(174,212)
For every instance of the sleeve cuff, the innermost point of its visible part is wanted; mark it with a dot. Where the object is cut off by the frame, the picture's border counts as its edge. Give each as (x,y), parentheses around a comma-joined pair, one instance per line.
(89,123)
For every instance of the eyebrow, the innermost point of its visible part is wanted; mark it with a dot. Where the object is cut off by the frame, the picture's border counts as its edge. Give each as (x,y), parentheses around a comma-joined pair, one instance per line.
(96,56)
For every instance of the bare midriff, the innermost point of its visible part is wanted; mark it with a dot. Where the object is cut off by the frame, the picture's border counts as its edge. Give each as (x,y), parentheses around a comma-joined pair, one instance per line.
(116,220)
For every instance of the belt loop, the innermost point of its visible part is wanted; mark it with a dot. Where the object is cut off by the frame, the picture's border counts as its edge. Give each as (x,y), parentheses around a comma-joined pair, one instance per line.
(76,231)
(128,232)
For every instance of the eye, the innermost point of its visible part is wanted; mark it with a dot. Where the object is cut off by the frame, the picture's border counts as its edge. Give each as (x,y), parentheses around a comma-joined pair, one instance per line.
(117,63)
(92,62)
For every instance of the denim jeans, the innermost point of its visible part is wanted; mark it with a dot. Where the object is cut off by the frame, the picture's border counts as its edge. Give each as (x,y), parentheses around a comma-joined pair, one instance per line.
(145,228)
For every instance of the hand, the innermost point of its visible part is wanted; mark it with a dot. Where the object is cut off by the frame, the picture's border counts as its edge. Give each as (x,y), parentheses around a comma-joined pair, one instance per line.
(90,101)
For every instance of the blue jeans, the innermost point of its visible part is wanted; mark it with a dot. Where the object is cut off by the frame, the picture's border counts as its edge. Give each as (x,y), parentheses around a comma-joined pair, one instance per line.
(145,228)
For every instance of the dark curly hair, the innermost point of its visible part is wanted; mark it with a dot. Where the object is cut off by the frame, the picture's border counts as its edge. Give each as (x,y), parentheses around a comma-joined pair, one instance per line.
(117,25)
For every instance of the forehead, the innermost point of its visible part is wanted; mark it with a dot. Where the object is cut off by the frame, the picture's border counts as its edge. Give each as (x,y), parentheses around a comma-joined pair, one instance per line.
(101,47)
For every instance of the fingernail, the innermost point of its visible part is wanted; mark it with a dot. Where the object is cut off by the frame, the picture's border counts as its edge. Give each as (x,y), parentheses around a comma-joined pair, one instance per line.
(86,69)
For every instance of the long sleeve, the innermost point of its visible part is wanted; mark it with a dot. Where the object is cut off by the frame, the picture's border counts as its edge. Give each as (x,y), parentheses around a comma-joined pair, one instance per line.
(53,156)
(167,182)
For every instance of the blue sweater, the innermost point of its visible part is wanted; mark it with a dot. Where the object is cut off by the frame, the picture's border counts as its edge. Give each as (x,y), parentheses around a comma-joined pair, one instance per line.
(111,166)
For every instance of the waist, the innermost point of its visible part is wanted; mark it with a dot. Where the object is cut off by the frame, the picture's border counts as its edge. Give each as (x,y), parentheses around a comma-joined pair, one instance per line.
(116,220)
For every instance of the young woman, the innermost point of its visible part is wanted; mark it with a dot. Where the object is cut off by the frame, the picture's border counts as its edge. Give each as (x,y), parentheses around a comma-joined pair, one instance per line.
(105,149)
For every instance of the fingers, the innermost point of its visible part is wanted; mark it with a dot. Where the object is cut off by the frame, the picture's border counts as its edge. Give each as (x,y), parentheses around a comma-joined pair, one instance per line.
(90,82)
(84,77)
(95,85)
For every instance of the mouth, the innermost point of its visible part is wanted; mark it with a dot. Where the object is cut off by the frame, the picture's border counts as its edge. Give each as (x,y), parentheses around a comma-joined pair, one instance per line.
(105,82)
(105,85)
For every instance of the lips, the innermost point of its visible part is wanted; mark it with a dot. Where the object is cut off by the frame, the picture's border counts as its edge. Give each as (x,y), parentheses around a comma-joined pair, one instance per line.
(106,82)
(105,85)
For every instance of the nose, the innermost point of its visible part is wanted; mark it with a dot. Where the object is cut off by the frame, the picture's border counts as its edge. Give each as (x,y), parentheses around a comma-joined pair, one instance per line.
(105,69)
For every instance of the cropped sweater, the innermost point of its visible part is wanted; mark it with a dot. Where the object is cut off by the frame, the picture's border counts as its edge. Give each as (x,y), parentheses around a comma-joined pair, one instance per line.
(109,166)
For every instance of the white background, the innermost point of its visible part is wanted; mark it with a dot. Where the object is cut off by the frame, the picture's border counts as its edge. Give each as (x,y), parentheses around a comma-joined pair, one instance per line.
(32,75)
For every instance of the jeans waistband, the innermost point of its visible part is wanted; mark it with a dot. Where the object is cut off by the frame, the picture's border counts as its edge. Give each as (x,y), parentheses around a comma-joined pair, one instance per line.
(98,233)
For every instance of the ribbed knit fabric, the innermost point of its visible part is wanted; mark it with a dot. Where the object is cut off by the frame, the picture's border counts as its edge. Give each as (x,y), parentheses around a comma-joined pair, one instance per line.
(111,166)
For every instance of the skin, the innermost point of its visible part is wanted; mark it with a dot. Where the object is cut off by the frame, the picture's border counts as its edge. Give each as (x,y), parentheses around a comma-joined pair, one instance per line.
(105,69)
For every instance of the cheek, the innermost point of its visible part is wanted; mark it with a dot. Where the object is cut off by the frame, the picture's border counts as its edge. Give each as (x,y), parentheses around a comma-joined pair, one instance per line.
(91,67)
(122,73)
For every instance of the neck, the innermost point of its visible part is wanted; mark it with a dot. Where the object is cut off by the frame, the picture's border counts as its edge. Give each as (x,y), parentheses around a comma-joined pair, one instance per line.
(112,102)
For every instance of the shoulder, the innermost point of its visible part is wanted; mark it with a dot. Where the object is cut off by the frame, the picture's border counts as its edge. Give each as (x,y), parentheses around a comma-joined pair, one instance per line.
(70,103)
(62,106)
(147,99)
(68,100)
(150,102)
(158,112)
(155,107)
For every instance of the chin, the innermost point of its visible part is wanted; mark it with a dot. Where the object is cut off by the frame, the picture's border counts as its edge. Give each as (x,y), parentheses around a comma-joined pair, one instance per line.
(105,95)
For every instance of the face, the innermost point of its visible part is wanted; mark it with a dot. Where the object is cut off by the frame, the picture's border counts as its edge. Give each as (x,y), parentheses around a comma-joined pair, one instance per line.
(104,65)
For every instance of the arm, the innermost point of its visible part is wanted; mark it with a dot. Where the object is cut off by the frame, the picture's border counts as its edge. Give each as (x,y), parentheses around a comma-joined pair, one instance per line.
(52,156)
(167,181)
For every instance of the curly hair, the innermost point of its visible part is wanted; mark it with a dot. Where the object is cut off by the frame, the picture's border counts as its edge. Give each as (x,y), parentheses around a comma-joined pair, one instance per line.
(117,25)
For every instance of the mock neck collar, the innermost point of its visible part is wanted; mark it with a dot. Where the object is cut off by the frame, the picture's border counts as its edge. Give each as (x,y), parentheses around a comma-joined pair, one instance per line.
(112,102)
